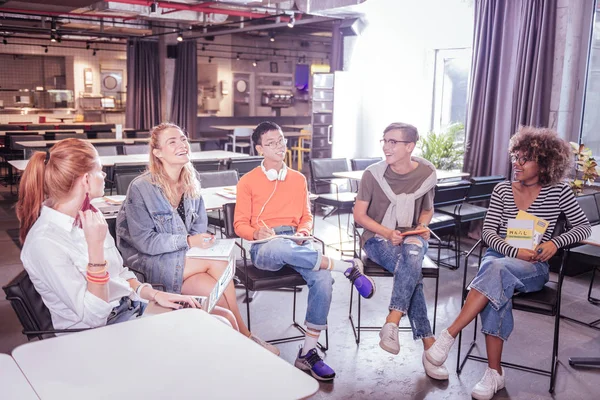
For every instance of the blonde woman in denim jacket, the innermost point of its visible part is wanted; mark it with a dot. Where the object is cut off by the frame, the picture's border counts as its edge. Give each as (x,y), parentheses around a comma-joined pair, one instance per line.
(163,216)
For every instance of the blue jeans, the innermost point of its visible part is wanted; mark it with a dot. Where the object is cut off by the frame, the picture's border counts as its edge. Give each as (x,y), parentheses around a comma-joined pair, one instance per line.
(276,253)
(405,262)
(497,279)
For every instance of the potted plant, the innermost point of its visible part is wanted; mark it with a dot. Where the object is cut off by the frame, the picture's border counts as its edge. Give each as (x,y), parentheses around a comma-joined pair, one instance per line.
(444,150)
(584,164)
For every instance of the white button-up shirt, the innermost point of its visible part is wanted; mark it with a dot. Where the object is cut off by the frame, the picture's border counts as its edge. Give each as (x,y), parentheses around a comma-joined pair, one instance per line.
(55,255)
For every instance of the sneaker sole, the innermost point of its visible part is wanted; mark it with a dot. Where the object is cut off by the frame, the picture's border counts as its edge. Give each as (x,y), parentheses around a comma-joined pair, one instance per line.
(304,368)
(434,361)
(388,349)
(437,377)
(483,397)
(361,268)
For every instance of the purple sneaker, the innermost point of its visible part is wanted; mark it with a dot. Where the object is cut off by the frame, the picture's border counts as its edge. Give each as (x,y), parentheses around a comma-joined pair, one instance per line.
(313,362)
(363,284)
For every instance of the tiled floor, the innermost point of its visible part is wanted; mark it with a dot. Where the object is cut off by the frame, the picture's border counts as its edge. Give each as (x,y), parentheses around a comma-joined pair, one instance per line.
(366,371)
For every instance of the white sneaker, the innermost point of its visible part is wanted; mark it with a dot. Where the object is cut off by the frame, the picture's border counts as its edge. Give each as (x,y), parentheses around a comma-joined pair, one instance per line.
(268,346)
(438,352)
(491,382)
(389,338)
(434,371)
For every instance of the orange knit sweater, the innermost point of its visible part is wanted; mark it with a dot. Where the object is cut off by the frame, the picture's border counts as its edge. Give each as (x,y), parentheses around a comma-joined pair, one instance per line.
(289,205)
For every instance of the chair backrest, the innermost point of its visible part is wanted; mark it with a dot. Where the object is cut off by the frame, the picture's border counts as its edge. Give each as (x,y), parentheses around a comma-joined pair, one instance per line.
(142,135)
(107,150)
(51,135)
(242,132)
(451,193)
(129,149)
(195,147)
(483,186)
(228,214)
(323,169)
(218,178)
(244,165)
(106,135)
(61,136)
(360,164)
(206,165)
(124,174)
(27,303)
(590,208)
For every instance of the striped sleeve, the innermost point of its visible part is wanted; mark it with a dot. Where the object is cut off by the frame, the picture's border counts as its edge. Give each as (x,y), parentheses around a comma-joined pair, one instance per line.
(493,222)
(580,226)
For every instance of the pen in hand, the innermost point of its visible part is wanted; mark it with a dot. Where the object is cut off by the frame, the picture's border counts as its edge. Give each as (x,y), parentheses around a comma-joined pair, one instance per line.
(266,226)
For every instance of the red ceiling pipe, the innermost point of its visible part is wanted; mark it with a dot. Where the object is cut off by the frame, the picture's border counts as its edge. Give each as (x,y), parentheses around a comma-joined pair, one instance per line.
(204,7)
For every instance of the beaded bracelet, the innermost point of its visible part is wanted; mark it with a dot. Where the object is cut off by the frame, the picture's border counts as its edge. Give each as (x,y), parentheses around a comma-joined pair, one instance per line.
(99,272)
(98,265)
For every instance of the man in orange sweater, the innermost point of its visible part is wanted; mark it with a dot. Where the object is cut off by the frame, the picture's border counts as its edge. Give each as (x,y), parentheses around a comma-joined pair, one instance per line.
(273,200)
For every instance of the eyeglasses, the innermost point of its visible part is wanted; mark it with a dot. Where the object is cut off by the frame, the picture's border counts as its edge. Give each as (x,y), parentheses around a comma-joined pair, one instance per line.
(276,144)
(393,142)
(519,160)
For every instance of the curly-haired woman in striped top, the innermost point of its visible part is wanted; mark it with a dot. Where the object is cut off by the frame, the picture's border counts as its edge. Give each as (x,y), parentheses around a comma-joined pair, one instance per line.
(539,159)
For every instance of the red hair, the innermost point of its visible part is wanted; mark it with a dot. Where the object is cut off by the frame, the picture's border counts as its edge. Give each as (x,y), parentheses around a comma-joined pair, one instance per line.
(54,179)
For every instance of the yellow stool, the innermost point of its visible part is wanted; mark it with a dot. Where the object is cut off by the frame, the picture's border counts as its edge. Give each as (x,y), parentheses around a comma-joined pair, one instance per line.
(288,158)
(300,150)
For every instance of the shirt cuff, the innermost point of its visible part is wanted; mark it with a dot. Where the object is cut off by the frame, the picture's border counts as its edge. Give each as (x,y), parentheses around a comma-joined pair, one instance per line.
(96,310)
(180,242)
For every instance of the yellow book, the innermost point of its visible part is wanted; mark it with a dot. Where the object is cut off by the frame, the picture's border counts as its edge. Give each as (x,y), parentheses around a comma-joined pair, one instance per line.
(519,233)
(540,225)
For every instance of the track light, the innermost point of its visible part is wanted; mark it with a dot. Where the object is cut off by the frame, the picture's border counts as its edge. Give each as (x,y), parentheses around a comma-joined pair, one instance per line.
(272,36)
(87,45)
(209,60)
(45,49)
(237,57)
(59,39)
(292,21)
(254,63)
(94,53)
(53,25)
(153,7)
(203,48)
(180,37)
(4,41)
(52,38)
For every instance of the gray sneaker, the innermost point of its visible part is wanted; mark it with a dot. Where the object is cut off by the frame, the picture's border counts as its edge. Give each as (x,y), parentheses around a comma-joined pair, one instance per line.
(389,338)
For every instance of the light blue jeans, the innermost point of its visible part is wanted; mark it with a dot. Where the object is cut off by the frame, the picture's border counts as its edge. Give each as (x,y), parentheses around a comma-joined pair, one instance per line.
(304,258)
(405,262)
(497,279)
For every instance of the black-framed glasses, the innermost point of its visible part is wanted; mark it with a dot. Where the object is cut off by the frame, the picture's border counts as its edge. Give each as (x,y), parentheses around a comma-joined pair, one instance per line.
(392,142)
(278,143)
(519,160)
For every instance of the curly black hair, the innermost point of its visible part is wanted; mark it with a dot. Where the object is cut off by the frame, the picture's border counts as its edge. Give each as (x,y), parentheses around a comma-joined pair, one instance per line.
(542,145)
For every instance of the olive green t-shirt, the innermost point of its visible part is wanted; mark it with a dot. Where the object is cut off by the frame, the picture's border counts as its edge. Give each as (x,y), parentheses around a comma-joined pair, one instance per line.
(371,192)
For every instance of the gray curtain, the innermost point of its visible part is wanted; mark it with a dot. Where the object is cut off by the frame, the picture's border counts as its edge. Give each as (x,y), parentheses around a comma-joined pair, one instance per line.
(143,85)
(184,109)
(511,77)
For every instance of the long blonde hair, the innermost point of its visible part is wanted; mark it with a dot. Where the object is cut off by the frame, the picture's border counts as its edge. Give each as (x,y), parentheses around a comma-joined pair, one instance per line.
(52,177)
(187,178)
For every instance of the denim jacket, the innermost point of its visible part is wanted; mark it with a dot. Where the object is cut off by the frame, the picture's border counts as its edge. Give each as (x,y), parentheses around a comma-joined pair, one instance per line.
(151,235)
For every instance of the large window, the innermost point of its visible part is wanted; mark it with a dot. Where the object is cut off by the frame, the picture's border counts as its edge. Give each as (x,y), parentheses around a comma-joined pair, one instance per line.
(590,132)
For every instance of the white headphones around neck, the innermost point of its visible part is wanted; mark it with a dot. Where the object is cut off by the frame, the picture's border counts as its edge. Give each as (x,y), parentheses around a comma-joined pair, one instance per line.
(273,174)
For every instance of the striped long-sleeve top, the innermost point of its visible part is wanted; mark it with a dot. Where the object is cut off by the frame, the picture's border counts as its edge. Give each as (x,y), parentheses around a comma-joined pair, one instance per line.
(548,205)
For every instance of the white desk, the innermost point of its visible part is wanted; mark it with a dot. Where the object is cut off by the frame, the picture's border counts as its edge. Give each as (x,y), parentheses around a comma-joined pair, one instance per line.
(13,384)
(109,161)
(441,175)
(184,354)
(213,201)
(594,238)
(48,143)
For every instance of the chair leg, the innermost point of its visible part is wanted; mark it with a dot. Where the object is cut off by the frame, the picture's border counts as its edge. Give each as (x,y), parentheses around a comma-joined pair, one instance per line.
(248,307)
(435,302)
(593,300)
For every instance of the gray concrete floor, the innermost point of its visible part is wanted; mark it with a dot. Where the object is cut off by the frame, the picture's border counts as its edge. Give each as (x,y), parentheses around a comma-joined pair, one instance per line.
(365,370)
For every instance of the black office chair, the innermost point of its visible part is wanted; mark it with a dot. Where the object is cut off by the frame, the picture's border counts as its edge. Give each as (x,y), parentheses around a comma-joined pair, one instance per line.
(544,302)
(142,135)
(360,164)
(244,165)
(451,194)
(129,149)
(104,135)
(206,165)
(255,279)
(331,192)
(61,136)
(374,270)
(124,174)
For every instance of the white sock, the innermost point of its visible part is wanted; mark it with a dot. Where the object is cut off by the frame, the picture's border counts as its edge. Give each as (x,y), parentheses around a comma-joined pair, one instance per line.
(311,338)
(338,265)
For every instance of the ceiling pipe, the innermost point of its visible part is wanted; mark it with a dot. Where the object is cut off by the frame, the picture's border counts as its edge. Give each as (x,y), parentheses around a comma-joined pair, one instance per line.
(59,14)
(203,7)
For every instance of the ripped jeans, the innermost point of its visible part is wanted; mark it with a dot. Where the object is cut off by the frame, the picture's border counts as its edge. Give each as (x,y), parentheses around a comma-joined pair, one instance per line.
(405,262)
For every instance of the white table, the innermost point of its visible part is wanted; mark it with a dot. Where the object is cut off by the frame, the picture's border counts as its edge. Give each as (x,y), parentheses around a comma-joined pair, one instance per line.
(441,174)
(47,143)
(13,384)
(109,161)
(213,201)
(184,354)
